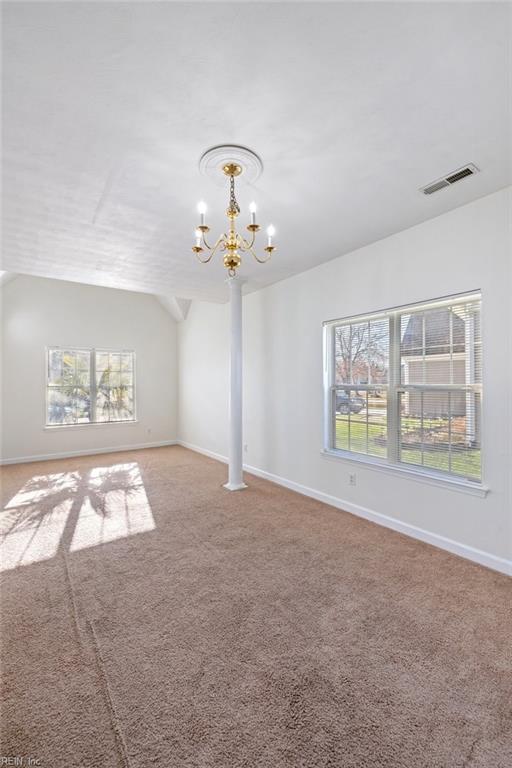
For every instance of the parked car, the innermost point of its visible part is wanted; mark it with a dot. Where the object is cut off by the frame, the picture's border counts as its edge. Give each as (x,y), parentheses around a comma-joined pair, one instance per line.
(346,404)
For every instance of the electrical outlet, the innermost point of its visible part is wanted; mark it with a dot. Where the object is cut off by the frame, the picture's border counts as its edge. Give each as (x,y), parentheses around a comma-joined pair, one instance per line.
(246,447)
(352,479)
(148,430)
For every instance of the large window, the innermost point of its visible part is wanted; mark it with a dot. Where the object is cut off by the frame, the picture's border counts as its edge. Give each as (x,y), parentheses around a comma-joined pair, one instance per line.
(404,387)
(88,386)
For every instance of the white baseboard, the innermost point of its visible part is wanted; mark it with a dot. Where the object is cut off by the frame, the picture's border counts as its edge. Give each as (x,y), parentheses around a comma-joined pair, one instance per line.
(87,452)
(463,550)
(206,452)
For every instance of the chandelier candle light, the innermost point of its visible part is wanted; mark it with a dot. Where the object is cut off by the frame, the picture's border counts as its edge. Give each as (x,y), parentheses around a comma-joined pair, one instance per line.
(232,243)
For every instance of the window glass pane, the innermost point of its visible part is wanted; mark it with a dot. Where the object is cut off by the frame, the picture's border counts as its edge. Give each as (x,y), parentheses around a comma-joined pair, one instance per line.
(341,441)
(115,361)
(378,351)
(108,378)
(121,404)
(127,378)
(347,405)
(101,361)
(102,376)
(469,348)
(442,331)
(411,428)
(358,416)
(102,404)
(436,430)
(361,421)
(412,327)
(377,413)
(442,346)
(68,367)
(61,408)
(342,352)
(54,367)
(465,435)
(359,343)
(130,403)
(114,378)
(411,334)
(362,352)
(68,386)
(82,405)
(441,431)
(83,360)
(127,361)
(83,378)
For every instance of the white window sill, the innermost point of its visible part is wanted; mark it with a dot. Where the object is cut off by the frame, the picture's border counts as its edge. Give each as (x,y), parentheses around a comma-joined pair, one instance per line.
(420,476)
(56,427)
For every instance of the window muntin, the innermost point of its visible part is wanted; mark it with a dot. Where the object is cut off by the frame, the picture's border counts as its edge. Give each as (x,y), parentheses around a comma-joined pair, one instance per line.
(405,388)
(87,386)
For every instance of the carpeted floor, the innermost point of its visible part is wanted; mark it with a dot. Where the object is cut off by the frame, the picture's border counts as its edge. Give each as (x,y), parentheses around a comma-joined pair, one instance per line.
(150,618)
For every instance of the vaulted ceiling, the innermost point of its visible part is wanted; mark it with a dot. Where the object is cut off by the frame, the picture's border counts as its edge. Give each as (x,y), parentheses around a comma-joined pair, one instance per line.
(352,107)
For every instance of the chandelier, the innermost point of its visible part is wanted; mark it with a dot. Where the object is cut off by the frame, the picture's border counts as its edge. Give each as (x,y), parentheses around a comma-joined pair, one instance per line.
(232,244)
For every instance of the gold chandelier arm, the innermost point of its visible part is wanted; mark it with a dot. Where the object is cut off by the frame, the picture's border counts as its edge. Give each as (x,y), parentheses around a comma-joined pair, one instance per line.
(261,261)
(209,247)
(212,247)
(258,258)
(245,246)
(208,258)
(220,241)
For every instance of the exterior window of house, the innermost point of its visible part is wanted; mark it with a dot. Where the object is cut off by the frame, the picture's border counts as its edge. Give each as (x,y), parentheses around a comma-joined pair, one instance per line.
(404,387)
(88,386)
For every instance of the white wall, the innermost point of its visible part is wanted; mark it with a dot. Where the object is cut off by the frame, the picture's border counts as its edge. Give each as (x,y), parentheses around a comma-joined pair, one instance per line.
(468,248)
(37,313)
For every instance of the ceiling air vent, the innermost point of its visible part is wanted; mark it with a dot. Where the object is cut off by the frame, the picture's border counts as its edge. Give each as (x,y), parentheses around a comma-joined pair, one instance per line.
(452,178)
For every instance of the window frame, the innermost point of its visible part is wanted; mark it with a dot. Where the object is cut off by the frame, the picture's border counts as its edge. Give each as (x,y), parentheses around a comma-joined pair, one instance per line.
(93,386)
(391,463)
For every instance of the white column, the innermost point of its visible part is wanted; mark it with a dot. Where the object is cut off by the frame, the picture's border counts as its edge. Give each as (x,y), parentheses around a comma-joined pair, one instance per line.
(235,478)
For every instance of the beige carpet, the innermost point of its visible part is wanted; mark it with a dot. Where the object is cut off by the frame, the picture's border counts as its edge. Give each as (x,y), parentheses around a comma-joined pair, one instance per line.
(150,618)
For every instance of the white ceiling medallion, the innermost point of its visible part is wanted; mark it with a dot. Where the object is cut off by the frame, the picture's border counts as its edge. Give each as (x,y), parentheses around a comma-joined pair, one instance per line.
(215,158)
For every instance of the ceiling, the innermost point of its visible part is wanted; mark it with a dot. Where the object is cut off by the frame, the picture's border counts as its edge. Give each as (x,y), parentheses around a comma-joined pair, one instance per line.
(352,107)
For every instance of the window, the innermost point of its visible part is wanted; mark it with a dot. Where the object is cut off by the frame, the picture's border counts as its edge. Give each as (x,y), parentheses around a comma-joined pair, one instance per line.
(404,387)
(88,386)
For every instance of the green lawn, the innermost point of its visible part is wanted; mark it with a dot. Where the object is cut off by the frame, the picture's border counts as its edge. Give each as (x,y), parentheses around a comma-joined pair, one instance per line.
(365,439)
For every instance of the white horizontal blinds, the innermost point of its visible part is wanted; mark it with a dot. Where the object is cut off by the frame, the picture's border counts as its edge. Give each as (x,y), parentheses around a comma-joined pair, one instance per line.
(68,399)
(114,389)
(361,375)
(440,393)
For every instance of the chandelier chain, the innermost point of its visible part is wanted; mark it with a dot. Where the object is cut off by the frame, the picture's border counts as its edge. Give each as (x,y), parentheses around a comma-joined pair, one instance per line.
(233,205)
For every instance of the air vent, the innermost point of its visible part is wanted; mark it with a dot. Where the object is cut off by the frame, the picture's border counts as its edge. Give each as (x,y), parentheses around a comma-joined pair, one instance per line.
(460,175)
(452,178)
(435,187)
